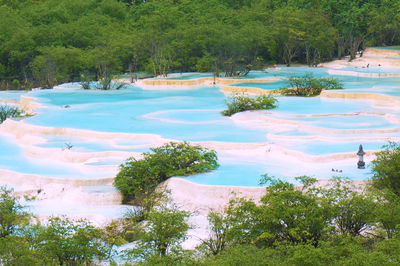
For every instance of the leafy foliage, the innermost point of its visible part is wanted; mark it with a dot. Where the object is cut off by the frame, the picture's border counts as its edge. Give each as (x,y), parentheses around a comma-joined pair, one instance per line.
(12,213)
(292,216)
(240,103)
(60,242)
(137,177)
(387,211)
(161,235)
(43,45)
(70,242)
(386,168)
(7,112)
(308,85)
(351,212)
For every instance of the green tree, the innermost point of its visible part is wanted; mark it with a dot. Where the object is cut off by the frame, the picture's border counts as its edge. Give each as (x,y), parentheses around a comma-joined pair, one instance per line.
(137,177)
(308,86)
(290,214)
(161,234)
(19,250)
(384,25)
(288,31)
(386,168)
(352,211)
(12,214)
(231,227)
(240,103)
(387,211)
(319,41)
(70,242)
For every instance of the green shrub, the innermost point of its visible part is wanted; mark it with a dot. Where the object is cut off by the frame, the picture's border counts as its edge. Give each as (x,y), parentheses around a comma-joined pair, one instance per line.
(105,83)
(239,103)
(15,84)
(204,64)
(137,177)
(7,112)
(386,168)
(309,86)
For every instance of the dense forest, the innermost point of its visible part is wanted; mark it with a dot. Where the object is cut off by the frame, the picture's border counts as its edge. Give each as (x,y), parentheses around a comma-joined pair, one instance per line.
(46,42)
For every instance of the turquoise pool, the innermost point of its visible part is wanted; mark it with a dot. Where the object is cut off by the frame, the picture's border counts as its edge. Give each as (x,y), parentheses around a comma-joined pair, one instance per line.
(194,115)
(243,142)
(11,95)
(388,48)
(13,158)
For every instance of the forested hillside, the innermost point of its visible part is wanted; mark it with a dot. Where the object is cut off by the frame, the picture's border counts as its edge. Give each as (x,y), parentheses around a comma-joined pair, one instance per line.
(45,42)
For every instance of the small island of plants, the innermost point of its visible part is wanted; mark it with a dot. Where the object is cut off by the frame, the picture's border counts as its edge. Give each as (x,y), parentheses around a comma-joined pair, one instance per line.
(240,103)
(309,86)
(7,111)
(138,178)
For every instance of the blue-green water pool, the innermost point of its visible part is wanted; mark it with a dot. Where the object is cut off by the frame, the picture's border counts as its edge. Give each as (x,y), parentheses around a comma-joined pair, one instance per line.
(194,115)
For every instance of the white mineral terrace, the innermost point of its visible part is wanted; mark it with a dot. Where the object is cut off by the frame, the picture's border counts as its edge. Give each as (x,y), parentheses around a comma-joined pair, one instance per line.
(68,168)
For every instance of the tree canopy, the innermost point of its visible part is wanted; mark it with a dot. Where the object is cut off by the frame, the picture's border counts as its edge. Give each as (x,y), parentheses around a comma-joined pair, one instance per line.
(48,42)
(138,177)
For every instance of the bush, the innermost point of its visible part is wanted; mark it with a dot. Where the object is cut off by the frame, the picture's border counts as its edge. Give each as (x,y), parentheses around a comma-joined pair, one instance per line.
(386,168)
(7,112)
(12,213)
(67,242)
(240,103)
(105,83)
(161,235)
(137,177)
(309,86)
(204,64)
(23,241)
(15,84)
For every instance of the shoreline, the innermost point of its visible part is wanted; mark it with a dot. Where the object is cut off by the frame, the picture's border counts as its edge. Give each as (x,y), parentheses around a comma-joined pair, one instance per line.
(207,81)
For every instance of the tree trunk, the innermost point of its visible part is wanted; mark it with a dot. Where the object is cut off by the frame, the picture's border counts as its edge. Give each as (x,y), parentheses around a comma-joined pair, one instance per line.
(355,42)
(316,57)
(308,52)
(341,46)
(288,54)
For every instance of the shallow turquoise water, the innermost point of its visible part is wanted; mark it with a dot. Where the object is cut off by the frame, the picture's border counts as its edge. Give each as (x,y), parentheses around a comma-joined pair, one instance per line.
(242,173)
(99,189)
(384,85)
(317,105)
(319,147)
(11,95)
(49,208)
(194,115)
(187,76)
(348,122)
(388,48)
(12,158)
(125,110)
(265,86)
(377,70)
(88,145)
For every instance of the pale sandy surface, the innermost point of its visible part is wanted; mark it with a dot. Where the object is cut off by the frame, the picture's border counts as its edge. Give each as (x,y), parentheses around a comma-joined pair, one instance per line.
(371,58)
